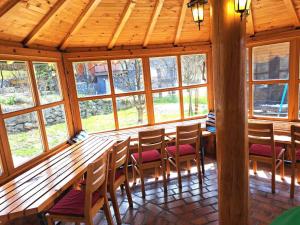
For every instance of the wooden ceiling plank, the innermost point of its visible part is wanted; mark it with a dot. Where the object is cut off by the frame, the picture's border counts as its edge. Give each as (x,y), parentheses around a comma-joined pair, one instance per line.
(124,18)
(33,35)
(250,20)
(80,21)
(155,15)
(292,10)
(181,21)
(9,5)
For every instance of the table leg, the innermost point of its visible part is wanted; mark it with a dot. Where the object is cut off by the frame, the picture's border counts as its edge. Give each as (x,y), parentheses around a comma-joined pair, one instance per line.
(202,149)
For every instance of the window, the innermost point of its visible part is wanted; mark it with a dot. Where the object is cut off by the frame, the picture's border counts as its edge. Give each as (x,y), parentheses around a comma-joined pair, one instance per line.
(97,115)
(195,102)
(128,75)
(166,106)
(164,72)
(27,139)
(91,78)
(56,126)
(270,80)
(24,137)
(15,86)
(193,69)
(47,82)
(132,111)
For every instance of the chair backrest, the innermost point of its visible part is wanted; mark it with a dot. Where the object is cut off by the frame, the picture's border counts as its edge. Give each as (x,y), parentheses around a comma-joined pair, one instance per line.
(119,158)
(295,136)
(96,179)
(150,140)
(261,133)
(188,134)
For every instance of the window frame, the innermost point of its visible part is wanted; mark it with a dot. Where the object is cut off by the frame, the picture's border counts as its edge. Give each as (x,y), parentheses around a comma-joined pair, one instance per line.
(148,91)
(5,151)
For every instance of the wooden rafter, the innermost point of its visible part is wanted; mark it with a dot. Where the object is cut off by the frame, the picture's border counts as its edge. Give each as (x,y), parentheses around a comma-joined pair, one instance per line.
(10,4)
(181,21)
(292,10)
(80,21)
(250,22)
(154,18)
(124,18)
(43,23)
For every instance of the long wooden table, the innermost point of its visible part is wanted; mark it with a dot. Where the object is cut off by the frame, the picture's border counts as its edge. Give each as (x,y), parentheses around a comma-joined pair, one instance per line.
(35,190)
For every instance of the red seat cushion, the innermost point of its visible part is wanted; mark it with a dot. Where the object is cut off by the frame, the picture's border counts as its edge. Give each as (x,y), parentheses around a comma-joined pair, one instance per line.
(183,150)
(72,203)
(298,154)
(264,150)
(148,156)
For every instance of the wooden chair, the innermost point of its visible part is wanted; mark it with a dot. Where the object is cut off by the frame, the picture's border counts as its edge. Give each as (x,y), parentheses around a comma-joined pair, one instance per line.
(81,206)
(262,148)
(119,174)
(186,149)
(150,155)
(295,153)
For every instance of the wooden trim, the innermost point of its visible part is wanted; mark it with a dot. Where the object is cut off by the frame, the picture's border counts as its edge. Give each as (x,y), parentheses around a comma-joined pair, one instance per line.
(8,6)
(292,11)
(179,75)
(47,19)
(181,21)
(250,82)
(124,18)
(250,20)
(293,82)
(148,93)
(38,103)
(80,21)
(7,159)
(112,90)
(154,18)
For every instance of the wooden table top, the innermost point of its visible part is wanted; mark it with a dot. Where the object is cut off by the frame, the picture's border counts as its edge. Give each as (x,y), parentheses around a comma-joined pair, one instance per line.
(35,190)
(170,129)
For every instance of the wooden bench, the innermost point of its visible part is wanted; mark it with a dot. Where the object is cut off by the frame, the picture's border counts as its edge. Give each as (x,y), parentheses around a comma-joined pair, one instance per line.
(35,190)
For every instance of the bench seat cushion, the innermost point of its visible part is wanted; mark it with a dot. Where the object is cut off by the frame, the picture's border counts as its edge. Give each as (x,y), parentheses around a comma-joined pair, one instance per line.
(72,204)
(148,156)
(183,150)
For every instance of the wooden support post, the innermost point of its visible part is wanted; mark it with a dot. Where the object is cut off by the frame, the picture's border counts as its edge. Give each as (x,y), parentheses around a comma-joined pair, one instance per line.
(231,118)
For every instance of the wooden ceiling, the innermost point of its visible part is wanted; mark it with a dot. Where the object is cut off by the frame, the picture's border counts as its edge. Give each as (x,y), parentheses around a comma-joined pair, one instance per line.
(109,23)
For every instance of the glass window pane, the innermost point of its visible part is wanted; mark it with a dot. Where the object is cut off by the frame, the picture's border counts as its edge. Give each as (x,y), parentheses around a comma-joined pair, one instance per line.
(128,75)
(132,111)
(193,69)
(56,126)
(91,78)
(270,100)
(97,115)
(24,137)
(271,62)
(46,76)
(195,102)
(164,72)
(166,106)
(15,87)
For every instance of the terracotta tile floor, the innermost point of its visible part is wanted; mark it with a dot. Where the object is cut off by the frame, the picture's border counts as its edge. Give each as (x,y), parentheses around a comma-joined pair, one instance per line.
(195,205)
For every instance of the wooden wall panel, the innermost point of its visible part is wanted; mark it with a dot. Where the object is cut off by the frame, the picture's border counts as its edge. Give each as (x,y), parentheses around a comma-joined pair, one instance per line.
(270,14)
(99,28)
(165,29)
(190,32)
(17,23)
(53,34)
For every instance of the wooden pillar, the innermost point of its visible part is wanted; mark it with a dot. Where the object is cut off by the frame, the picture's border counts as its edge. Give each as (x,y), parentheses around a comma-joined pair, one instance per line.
(228,39)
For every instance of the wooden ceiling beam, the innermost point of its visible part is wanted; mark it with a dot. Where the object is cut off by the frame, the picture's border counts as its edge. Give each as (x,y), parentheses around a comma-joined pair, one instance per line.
(47,19)
(124,18)
(80,21)
(292,10)
(250,21)
(181,21)
(9,5)
(154,18)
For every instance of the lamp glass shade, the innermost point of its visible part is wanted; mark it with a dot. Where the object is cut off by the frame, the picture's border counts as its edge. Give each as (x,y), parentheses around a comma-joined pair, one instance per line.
(198,12)
(242,5)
